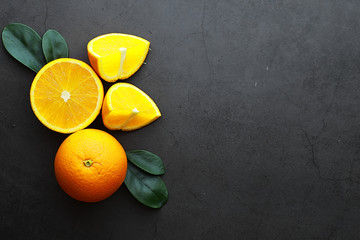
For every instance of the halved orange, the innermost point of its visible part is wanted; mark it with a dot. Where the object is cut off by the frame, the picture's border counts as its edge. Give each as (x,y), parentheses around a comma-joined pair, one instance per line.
(127,108)
(66,95)
(116,55)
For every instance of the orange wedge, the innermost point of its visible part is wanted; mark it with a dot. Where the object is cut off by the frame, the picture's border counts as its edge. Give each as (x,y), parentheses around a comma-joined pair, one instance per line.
(117,56)
(66,95)
(127,108)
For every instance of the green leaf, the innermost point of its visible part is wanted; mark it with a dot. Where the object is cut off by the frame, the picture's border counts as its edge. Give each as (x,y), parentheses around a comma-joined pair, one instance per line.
(24,44)
(148,189)
(54,46)
(147,161)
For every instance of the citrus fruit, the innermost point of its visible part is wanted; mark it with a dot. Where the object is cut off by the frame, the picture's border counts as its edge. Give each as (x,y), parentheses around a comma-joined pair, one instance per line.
(127,108)
(66,95)
(117,56)
(90,165)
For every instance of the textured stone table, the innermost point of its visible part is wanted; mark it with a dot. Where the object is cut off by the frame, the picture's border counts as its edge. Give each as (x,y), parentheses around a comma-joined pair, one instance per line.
(260,132)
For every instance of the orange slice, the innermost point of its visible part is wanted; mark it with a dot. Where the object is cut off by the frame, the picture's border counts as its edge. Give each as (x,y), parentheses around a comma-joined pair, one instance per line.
(127,108)
(66,95)
(117,56)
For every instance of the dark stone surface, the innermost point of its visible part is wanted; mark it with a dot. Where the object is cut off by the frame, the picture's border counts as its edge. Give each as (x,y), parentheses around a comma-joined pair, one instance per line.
(260,132)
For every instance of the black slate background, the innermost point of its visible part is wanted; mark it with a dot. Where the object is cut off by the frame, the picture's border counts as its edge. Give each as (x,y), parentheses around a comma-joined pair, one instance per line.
(260,132)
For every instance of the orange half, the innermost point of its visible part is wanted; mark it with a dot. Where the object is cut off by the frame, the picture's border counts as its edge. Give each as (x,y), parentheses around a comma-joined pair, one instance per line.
(66,95)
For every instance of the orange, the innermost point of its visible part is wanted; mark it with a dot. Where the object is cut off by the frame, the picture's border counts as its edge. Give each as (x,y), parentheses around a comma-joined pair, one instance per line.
(127,108)
(90,165)
(66,95)
(116,55)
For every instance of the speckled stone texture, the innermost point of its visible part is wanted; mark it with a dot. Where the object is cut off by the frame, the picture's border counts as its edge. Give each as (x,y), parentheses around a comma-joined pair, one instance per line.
(260,126)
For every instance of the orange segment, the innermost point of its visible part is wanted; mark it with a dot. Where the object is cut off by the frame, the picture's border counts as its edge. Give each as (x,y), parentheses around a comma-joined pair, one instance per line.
(66,95)
(127,108)
(117,56)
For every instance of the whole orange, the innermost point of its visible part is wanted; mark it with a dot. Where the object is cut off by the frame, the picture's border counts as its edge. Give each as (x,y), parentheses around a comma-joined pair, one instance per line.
(90,165)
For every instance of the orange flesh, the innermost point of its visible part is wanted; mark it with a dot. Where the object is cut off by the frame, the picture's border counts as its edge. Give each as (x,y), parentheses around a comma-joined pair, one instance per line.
(66,96)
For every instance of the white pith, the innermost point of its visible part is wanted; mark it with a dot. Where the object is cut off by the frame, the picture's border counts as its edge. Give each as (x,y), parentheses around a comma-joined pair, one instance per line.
(65,95)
